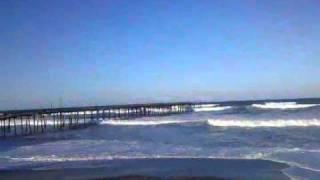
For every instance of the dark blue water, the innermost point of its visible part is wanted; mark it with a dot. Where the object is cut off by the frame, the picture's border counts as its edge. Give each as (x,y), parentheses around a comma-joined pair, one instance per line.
(284,131)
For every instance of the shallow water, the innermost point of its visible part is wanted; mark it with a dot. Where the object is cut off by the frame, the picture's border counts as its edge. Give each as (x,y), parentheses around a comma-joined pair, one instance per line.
(277,131)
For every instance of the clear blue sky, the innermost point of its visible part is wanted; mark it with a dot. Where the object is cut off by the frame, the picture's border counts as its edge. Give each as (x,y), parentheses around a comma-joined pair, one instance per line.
(109,52)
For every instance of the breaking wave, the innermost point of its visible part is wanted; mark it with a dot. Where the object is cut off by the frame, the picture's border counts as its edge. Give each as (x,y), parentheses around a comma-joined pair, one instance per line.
(146,122)
(267,154)
(204,105)
(265,123)
(283,105)
(212,108)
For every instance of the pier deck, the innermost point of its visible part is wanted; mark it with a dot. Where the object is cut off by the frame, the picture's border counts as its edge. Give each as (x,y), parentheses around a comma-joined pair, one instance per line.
(33,121)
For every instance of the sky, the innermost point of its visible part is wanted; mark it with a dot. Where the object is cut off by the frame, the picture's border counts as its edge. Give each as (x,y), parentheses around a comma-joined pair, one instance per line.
(86,52)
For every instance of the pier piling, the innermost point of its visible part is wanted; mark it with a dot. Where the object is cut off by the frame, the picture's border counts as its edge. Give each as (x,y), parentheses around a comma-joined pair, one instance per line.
(27,122)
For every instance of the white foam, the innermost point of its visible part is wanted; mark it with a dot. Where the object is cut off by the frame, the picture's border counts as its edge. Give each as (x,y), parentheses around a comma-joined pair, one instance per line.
(283,105)
(264,155)
(265,123)
(145,122)
(217,108)
(54,158)
(204,105)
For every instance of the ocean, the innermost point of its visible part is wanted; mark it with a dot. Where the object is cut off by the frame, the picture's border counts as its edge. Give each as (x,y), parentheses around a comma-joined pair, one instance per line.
(286,131)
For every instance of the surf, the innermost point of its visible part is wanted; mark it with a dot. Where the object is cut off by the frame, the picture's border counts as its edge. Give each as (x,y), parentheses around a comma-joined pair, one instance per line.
(265,123)
(283,105)
(210,108)
(146,122)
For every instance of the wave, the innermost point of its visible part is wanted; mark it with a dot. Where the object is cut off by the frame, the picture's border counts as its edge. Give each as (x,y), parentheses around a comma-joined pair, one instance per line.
(54,158)
(265,123)
(146,122)
(266,154)
(283,105)
(216,108)
(204,105)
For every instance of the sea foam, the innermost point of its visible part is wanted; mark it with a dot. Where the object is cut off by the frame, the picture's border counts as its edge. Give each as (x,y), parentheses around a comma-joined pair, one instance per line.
(145,122)
(283,105)
(265,123)
(212,108)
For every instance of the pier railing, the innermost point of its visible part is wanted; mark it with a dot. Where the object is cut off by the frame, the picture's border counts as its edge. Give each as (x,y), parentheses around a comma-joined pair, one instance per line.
(29,122)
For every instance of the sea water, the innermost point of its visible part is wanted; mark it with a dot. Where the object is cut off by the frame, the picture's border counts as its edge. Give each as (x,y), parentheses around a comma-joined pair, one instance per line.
(284,131)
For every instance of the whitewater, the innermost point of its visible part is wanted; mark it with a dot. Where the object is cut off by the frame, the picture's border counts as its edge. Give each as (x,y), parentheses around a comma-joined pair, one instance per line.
(281,131)
(283,105)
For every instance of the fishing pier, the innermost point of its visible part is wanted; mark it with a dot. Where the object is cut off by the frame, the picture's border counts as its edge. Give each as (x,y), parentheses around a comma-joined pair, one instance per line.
(35,121)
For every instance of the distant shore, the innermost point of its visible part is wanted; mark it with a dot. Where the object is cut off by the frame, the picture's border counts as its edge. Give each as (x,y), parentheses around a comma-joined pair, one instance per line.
(163,168)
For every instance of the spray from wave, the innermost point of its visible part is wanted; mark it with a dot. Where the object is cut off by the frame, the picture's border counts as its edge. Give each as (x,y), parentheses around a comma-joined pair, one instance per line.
(283,105)
(265,123)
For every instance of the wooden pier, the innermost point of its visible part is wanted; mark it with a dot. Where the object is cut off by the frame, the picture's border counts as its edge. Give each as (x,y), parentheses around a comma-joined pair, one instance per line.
(29,122)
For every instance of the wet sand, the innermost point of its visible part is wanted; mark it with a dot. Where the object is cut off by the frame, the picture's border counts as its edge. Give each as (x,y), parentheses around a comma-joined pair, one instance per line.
(154,169)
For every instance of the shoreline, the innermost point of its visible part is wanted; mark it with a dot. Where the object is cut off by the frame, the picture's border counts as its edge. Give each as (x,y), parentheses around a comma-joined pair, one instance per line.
(164,168)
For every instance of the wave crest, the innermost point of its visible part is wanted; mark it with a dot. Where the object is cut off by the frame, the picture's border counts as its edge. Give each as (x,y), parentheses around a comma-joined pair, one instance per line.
(264,123)
(214,108)
(283,105)
(145,123)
